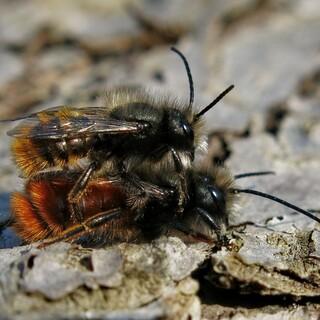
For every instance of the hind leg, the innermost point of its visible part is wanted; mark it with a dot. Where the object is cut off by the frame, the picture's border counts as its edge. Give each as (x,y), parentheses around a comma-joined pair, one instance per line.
(78,190)
(88,226)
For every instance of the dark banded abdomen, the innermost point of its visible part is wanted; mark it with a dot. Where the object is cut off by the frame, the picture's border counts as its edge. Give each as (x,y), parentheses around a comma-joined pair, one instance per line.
(34,155)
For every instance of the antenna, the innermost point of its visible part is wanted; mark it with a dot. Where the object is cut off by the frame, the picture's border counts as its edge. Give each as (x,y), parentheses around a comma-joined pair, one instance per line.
(186,64)
(213,103)
(275,199)
(253,174)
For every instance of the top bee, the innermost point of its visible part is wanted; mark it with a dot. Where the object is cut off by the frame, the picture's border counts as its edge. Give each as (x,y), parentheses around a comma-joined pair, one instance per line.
(133,126)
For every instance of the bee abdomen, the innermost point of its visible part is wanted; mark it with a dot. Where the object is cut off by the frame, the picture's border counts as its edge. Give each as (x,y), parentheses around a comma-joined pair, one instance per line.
(40,212)
(32,156)
(26,221)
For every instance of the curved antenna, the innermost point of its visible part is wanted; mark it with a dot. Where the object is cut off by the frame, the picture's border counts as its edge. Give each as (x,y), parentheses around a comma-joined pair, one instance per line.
(275,199)
(253,174)
(186,64)
(213,103)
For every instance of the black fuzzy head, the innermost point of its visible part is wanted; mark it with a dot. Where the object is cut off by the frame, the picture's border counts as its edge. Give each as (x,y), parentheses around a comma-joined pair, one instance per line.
(210,198)
(179,130)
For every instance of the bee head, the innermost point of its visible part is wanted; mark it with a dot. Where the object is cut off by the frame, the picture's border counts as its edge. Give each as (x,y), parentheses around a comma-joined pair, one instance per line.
(180,130)
(210,201)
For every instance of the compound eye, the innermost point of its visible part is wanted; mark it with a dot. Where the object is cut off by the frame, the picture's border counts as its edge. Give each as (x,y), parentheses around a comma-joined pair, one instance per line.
(187,130)
(217,197)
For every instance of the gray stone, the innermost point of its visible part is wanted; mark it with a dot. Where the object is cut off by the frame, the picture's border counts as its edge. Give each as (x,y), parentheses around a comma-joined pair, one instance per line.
(150,277)
(270,263)
(265,61)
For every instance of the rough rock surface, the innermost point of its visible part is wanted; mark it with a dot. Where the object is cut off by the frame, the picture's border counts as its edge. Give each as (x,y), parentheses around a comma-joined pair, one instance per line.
(148,281)
(56,52)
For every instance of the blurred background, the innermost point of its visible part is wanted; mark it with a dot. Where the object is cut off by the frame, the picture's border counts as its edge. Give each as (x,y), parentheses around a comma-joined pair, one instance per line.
(58,52)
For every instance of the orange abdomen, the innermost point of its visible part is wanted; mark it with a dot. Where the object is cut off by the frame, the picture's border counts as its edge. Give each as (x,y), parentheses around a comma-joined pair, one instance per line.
(35,155)
(42,211)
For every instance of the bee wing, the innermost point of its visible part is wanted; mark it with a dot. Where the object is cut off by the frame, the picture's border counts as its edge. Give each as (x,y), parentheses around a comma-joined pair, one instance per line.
(71,123)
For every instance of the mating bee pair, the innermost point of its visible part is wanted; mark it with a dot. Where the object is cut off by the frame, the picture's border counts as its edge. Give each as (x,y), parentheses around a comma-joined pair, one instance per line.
(140,179)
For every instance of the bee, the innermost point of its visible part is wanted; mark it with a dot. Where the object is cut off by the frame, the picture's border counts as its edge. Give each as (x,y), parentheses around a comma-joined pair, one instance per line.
(134,131)
(42,211)
(110,207)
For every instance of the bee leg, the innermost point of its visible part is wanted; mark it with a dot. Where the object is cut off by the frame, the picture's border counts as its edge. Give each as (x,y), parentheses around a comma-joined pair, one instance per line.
(177,160)
(138,201)
(75,232)
(77,191)
(180,226)
(142,193)
(182,185)
(183,194)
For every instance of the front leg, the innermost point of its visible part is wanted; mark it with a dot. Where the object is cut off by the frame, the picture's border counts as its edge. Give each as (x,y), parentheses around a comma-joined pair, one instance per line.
(181,185)
(77,192)
(142,193)
(75,232)
(198,236)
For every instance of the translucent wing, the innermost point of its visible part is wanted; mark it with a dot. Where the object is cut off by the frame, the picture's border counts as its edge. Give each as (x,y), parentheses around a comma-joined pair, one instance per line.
(67,123)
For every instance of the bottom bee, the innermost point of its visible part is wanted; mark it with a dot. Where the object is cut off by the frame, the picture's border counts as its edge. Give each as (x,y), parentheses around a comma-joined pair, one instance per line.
(110,208)
(128,209)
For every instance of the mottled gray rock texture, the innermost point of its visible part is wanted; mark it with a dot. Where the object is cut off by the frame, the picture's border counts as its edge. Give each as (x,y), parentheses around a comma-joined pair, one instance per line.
(150,280)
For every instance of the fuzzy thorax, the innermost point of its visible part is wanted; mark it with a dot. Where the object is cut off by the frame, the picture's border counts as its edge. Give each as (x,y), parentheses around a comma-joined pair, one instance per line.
(163,103)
